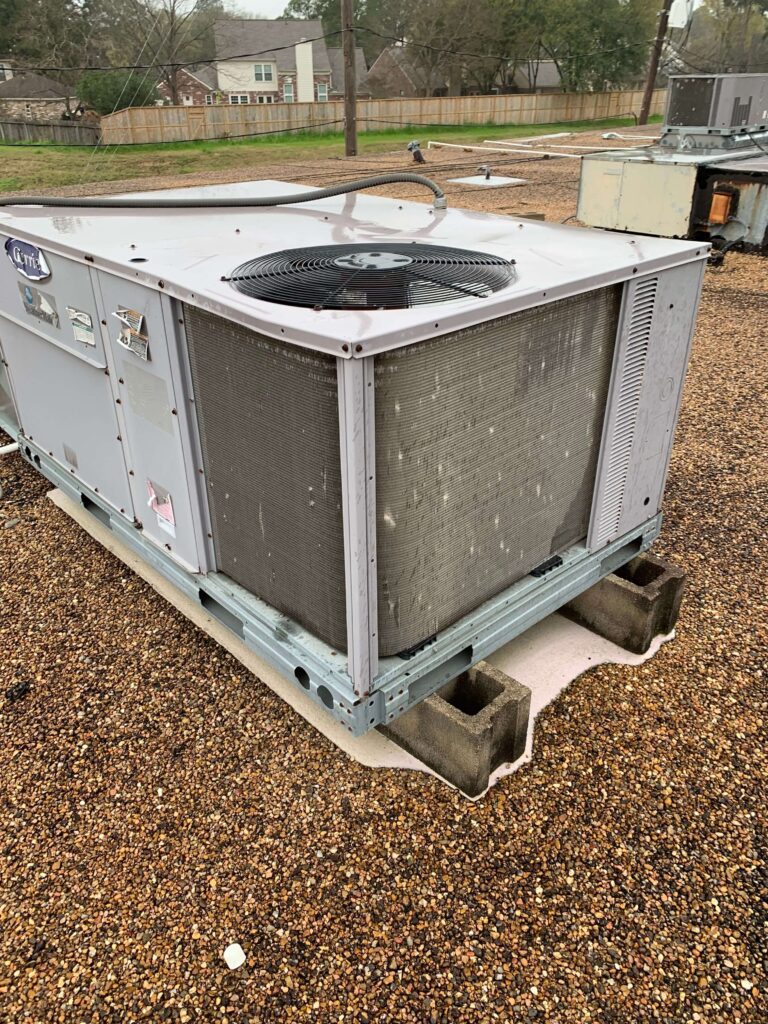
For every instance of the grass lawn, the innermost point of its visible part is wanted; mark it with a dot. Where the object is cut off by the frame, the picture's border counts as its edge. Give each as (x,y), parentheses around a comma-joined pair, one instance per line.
(36,166)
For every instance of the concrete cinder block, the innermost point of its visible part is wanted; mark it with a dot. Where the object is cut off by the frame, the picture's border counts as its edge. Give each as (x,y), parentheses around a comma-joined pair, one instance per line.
(467,729)
(631,606)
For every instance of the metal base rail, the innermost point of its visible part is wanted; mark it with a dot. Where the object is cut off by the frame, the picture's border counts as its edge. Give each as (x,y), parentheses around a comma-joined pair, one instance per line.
(320,671)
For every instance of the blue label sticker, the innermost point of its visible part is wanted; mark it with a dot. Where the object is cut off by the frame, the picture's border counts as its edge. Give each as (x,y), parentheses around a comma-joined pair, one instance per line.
(27,259)
(40,305)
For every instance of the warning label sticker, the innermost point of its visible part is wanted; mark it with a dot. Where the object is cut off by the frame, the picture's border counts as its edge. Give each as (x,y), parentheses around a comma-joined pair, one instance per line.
(82,325)
(161,504)
(133,332)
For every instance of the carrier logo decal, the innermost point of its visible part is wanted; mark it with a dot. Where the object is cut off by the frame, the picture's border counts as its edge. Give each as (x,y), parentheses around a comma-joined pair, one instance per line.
(133,332)
(27,259)
(40,305)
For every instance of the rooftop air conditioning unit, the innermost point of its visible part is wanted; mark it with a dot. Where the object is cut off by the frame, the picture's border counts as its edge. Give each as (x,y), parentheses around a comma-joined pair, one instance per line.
(717,102)
(376,456)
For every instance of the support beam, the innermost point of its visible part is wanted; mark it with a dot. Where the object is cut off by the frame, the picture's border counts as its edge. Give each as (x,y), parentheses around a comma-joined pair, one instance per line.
(358,483)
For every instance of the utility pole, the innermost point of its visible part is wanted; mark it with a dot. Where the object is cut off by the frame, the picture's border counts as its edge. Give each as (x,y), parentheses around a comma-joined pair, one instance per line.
(350,85)
(653,65)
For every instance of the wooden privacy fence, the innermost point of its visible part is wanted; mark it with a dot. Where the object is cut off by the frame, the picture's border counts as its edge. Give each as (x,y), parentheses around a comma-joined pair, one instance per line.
(184,124)
(49,131)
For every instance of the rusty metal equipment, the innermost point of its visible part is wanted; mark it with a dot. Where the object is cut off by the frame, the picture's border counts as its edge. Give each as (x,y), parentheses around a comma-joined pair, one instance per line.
(706,179)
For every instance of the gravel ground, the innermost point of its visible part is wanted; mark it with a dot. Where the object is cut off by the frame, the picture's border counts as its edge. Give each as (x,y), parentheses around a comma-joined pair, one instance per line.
(158,802)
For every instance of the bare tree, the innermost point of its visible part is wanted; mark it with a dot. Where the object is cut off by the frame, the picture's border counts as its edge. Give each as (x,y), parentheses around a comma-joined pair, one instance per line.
(174,33)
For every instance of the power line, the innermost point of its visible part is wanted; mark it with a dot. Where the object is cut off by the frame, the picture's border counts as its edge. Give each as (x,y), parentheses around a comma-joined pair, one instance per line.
(407,43)
(597,122)
(177,64)
(484,127)
(510,58)
(679,48)
(169,142)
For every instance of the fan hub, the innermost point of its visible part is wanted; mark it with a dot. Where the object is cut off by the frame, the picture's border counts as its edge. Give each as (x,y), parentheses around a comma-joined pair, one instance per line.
(373,261)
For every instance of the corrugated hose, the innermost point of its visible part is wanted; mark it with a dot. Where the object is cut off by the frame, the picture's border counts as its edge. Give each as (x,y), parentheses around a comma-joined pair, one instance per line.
(167,203)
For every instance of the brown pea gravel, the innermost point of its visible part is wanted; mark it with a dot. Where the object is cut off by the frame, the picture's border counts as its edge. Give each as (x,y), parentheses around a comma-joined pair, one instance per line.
(158,802)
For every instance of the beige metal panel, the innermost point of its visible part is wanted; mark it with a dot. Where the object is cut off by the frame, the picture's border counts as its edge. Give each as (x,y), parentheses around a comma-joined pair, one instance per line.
(599,193)
(656,199)
(652,199)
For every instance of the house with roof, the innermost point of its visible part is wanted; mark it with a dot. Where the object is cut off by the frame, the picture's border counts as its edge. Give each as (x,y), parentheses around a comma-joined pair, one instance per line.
(336,58)
(267,61)
(398,71)
(536,76)
(26,96)
(194,84)
(395,73)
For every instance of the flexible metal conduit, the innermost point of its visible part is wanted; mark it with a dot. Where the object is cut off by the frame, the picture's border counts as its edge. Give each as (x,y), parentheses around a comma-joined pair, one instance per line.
(165,202)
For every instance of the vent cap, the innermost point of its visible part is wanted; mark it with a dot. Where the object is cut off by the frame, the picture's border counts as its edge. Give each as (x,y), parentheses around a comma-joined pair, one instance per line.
(371,275)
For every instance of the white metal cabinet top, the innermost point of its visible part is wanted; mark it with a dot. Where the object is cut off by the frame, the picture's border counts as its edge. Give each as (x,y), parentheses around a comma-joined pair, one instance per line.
(187,252)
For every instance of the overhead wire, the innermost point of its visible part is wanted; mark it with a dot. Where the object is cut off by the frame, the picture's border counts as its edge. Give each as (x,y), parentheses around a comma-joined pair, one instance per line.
(498,56)
(511,58)
(175,64)
(122,92)
(305,127)
(143,80)
(680,49)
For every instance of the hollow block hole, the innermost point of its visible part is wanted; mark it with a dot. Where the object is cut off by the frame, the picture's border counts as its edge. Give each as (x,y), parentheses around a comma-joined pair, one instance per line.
(471,692)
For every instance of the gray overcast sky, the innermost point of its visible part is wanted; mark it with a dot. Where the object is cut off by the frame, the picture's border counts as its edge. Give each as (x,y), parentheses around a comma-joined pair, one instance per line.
(260,8)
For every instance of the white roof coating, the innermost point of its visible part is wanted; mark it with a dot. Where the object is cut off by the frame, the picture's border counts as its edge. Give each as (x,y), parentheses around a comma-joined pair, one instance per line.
(187,252)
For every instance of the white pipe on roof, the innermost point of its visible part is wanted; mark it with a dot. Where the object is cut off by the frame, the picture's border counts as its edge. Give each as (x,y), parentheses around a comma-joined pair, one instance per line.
(566,145)
(468,148)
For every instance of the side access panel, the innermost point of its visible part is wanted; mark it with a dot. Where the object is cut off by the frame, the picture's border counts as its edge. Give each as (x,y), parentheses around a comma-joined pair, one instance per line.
(57,370)
(9,420)
(614,194)
(161,478)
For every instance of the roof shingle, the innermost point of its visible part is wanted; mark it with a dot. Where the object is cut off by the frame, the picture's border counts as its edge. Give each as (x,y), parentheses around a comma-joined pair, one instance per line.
(244,38)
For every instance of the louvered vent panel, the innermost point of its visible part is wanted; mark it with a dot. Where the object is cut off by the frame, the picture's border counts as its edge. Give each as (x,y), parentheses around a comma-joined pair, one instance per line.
(622,431)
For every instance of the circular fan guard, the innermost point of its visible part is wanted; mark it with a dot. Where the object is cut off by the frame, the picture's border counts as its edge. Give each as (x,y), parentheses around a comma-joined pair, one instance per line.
(386,275)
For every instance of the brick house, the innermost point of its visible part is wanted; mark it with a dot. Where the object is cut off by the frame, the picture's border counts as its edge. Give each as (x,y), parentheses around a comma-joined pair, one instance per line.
(193,85)
(26,96)
(267,61)
(259,61)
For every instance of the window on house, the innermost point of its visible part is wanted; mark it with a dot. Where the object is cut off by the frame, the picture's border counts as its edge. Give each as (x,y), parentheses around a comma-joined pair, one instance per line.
(209,98)
(287,92)
(322,92)
(265,99)
(28,109)
(262,72)
(235,97)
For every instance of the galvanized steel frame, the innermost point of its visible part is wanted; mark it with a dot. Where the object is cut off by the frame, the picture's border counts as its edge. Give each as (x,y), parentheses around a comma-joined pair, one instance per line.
(322,672)
(358,484)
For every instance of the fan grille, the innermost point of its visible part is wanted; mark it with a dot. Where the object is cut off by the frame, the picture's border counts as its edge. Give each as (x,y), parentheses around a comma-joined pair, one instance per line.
(371,275)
